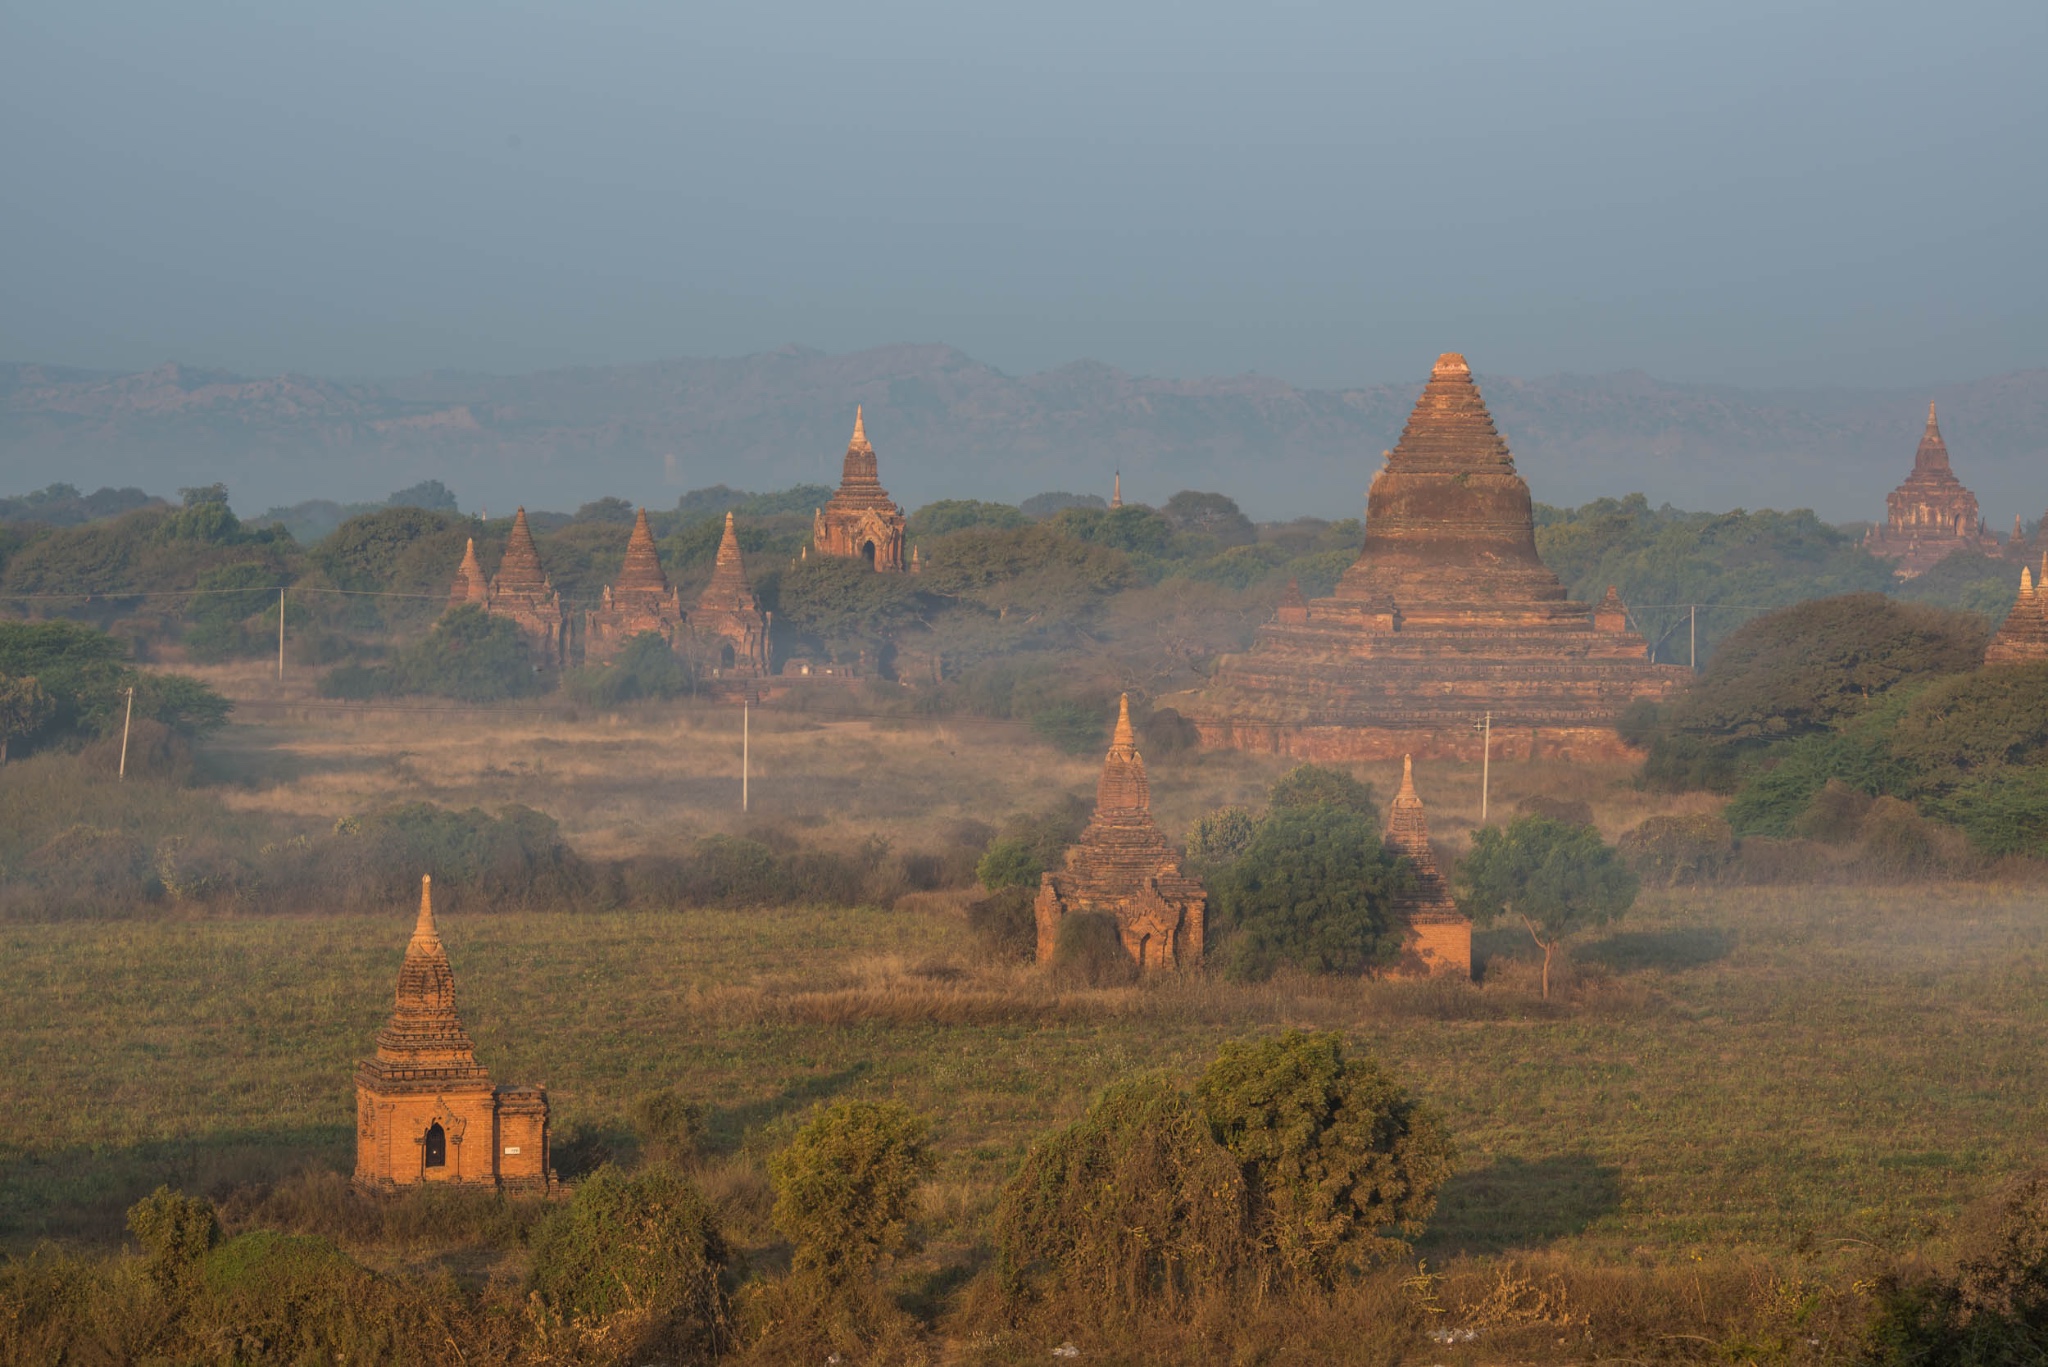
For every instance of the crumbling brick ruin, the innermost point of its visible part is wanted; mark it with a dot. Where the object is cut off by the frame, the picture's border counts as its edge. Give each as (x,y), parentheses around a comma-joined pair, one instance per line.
(1438,937)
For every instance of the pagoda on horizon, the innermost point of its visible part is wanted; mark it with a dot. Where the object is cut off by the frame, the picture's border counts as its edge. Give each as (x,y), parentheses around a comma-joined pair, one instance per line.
(861,521)
(640,600)
(1932,515)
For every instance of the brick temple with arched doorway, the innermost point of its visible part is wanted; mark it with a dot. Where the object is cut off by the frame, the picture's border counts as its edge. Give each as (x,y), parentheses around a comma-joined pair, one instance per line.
(425,1108)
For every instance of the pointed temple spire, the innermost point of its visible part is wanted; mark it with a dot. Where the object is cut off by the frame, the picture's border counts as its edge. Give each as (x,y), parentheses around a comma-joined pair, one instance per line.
(1932,455)
(470,584)
(728,614)
(728,572)
(1116,491)
(519,570)
(424,1030)
(1123,786)
(1450,427)
(641,573)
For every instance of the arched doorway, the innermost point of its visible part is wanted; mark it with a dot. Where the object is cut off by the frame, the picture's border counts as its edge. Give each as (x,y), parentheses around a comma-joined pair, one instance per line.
(726,657)
(437,1146)
(867,553)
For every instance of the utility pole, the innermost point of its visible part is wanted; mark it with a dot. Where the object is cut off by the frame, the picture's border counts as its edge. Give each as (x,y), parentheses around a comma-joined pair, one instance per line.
(1693,658)
(126,722)
(746,748)
(280,635)
(1484,726)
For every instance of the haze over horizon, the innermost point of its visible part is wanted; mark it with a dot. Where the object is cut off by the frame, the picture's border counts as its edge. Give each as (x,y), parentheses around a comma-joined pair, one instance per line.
(1756,195)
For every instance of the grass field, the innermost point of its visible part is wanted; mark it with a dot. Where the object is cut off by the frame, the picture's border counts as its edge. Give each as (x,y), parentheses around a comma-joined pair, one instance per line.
(1786,1072)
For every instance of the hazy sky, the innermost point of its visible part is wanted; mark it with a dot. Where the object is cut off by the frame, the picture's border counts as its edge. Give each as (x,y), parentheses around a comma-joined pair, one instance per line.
(1747,192)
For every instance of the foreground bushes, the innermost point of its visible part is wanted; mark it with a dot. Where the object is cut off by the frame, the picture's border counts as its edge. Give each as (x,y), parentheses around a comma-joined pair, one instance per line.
(1289,1164)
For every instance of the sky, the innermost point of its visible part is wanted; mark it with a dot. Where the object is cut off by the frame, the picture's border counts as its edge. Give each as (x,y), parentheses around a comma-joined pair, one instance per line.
(1762,194)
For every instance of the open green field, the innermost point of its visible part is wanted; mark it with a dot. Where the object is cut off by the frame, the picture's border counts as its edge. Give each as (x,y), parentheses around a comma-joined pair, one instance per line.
(1794,1071)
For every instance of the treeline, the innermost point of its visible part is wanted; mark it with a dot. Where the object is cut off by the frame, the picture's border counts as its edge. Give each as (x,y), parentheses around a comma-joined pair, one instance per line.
(1866,727)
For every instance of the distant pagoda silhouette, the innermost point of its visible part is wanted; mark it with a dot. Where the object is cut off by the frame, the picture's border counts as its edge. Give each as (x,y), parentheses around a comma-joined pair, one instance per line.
(861,522)
(1931,516)
(640,600)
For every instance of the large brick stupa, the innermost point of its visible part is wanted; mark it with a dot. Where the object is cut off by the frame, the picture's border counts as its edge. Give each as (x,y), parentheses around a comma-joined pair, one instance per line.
(1447,616)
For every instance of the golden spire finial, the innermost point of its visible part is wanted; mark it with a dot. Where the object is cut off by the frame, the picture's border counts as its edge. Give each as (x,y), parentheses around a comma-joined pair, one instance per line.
(1930,415)
(1123,738)
(1407,778)
(1116,491)
(424,927)
(860,433)
(2026,582)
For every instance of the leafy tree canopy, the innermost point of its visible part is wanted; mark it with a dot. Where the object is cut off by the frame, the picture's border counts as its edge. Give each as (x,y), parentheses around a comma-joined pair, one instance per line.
(843,602)
(1662,556)
(1212,515)
(430,494)
(844,1186)
(1966,581)
(1041,506)
(365,552)
(1314,888)
(1556,879)
(1319,785)
(949,515)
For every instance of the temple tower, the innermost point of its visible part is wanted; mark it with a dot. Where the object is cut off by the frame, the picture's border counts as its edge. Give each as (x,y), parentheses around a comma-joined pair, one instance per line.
(425,1108)
(861,522)
(2023,638)
(522,594)
(1931,516)
(1438,937)
(728,621)
(641,600)
(1123,866)
(1448,615)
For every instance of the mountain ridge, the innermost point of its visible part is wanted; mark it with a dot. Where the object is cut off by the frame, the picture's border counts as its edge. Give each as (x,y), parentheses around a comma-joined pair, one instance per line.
(948,425)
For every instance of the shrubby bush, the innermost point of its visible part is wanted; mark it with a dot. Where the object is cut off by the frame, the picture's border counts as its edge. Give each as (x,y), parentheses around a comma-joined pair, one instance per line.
(85,677)
(1341,1164)
(1088,951)
(1679,851)
(647,668)
(1218,837)
(1556,879)
(1291,1163)
(1132,1206)
(1006,923)
(1991,1309)
(469,655)
(634,1263)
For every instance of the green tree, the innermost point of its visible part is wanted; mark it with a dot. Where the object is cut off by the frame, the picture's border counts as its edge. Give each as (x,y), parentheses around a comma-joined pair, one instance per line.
(1318,785)
(1338,1158)
(1212,515)
(430,494)
(24,709)
(365,553)
(950,515)
(1315,888)
(470,655)
(845,1184)
(175,1232)
(1554,878)
(843,604)
(1009,862)
(1220,836)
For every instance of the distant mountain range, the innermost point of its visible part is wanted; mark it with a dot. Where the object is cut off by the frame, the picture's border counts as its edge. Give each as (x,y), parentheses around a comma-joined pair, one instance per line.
(946,425)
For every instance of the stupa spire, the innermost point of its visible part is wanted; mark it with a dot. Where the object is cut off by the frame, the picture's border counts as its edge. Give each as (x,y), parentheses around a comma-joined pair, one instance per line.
(1116,491)
(423,929)
(641,573)
(520,569)
(860,431)
(470,585)
(1123,786)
